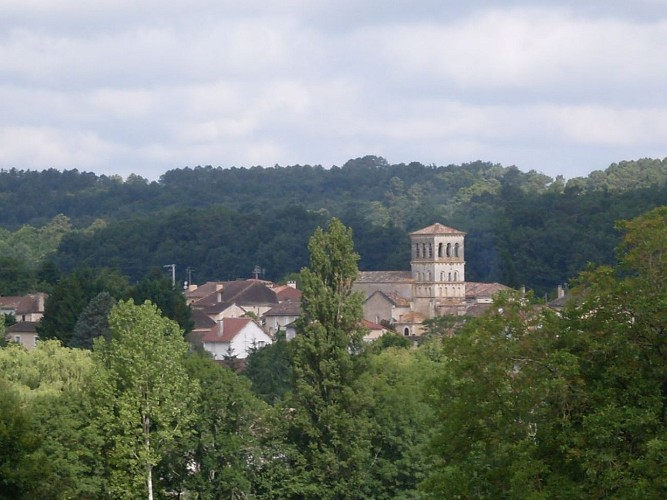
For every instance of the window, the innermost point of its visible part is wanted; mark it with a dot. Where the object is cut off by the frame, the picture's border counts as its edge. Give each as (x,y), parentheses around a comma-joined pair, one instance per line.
(430,250)
(456,275)
(417,250)
(456,250)
(439,249)
(17,339)
(424,250)
(406,330)
(261,343)
(449,250)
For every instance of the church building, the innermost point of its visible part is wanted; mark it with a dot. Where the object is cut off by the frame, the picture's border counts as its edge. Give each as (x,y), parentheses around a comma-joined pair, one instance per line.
(435,285)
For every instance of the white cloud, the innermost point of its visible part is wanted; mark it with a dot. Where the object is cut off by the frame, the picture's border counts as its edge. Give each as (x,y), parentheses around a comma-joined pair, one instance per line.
(43,147)
(149,86)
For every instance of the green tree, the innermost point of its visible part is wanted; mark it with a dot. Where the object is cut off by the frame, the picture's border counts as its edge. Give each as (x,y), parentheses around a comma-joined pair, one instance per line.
(58,442)
(532,405)
(93,321)
(16,276)
(402,421)
(488,397)
(616,430)
(148,392)
(157,288)
(71,296)
(19,471)
(269,369)
(216,458)
(326,406)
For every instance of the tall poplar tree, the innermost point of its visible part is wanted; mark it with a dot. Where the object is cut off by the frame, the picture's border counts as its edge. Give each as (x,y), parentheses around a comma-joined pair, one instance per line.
(149,394)
(328,423)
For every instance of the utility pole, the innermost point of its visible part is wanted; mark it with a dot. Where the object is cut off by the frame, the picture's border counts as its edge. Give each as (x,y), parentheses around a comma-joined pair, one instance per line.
(173,273)
(189,271)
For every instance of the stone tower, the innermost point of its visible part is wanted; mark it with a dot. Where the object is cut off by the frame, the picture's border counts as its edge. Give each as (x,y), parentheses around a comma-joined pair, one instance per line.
(438,270)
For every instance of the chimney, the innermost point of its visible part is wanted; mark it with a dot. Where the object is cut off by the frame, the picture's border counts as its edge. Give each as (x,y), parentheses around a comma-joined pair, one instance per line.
(219,297)
(560,292)
(291,284)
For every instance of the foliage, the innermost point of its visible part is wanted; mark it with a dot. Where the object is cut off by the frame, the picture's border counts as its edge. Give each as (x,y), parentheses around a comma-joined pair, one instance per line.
(326,407)
(402,418)
(47,369)
(45,389)
(522,228)
(214,458)
(532,405)
(93,321)
(71,296)
(147,397)
(269,369)
(157,288)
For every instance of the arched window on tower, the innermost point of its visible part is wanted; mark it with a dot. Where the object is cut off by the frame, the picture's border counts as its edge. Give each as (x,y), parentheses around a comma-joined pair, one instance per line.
(430,250)
(424,250)
(416,250)
(456,250)
(439,249)
(456,275)
(449,249)
(449,277)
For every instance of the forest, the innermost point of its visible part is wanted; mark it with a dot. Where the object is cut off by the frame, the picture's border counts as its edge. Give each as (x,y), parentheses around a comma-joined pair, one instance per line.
(523,228)
(523,402)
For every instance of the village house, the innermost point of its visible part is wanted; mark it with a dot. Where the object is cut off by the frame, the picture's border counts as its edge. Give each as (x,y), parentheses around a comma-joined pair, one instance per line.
(233,338)
(27,310)
(278,317)
(216,307)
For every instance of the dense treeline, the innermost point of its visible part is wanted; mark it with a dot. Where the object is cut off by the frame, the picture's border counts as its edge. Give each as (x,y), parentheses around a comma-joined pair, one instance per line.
(523,228)
(520,403)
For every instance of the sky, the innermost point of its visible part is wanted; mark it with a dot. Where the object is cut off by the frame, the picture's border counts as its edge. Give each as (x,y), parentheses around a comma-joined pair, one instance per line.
(146,86)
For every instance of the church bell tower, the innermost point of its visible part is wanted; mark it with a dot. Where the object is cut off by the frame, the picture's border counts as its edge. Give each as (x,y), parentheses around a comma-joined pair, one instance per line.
(438,270)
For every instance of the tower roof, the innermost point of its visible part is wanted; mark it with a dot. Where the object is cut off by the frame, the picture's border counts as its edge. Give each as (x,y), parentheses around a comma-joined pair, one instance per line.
(436,228)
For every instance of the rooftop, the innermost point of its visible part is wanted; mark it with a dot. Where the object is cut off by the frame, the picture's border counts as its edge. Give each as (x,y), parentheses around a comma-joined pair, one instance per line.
(436,228)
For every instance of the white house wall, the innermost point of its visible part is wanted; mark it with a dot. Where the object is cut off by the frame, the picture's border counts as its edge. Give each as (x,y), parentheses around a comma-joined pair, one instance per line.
(250,336)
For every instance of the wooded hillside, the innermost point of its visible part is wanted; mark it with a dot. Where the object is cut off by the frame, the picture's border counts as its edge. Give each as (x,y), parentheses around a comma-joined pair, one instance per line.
(522,228)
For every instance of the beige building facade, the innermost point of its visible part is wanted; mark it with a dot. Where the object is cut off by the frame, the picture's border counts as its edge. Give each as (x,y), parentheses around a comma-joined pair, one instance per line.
(435,286)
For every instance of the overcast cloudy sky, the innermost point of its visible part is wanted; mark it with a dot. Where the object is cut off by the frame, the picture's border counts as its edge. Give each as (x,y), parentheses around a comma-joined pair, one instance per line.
(145,86)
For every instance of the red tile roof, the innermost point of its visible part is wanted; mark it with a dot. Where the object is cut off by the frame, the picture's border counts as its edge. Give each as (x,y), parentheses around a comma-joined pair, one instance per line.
(372,326)
(230,328)
(286,292)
